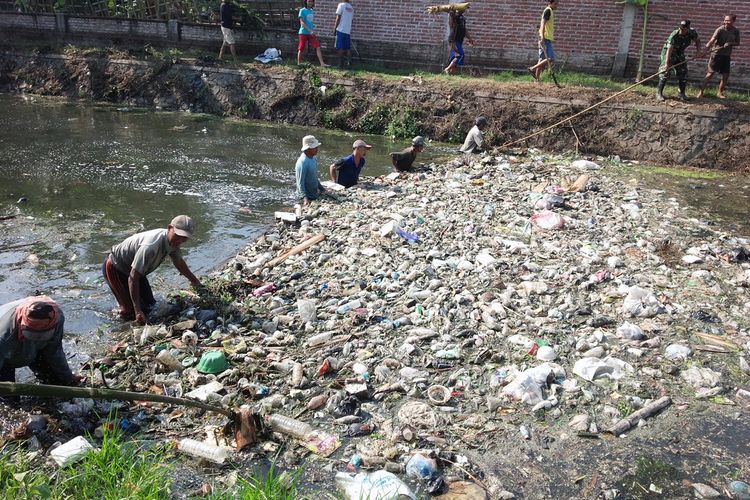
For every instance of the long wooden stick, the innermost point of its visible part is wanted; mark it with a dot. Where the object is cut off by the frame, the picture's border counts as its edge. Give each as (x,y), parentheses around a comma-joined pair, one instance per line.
(632,420)
(60,391)
(596,105)
(295,250)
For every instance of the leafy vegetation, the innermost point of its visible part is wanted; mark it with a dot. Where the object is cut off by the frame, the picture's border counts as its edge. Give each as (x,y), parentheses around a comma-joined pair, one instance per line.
(122,468)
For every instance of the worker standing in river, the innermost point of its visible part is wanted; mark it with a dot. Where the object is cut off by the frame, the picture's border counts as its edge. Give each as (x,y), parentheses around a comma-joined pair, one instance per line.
(127,265)
(309,187)
(31,332)
(673,58)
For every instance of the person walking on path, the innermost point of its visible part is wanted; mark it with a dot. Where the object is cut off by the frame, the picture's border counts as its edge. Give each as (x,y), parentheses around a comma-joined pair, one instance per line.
(673,58)
(724,39)
(343,30)
(309,187)
(404,160)
(127,265)
(226,13)
(346,170)
(474,142)
(458,33)
(307,32)
(31,332)
(546,37)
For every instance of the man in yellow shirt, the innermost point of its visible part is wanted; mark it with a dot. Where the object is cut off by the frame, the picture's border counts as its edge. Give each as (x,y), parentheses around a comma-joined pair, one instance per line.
(546,37)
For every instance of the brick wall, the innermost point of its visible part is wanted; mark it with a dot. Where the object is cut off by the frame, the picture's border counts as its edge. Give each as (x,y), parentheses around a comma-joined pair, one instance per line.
(400,32)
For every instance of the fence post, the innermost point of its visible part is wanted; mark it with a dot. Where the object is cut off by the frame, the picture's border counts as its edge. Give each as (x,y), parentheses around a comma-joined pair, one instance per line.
(623,45)
(173,30)
(61,25)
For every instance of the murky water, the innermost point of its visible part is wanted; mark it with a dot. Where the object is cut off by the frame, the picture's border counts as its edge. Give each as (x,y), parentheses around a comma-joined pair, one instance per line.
(95,175)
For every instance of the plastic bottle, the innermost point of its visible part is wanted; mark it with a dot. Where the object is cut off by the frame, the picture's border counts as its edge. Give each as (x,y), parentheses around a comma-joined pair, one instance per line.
(206,451)
(379,484)
(165,357)
(289,426)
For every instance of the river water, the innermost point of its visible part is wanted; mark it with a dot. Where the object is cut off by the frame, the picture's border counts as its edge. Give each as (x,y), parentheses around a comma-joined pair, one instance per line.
(93,175)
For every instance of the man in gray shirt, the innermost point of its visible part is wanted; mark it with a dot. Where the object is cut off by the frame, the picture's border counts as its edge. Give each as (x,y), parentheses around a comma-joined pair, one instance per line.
(31,332)
(474,142)
(128,264)
(724,39)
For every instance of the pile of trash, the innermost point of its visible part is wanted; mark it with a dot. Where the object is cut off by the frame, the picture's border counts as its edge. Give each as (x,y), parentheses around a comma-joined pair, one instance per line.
(392,326)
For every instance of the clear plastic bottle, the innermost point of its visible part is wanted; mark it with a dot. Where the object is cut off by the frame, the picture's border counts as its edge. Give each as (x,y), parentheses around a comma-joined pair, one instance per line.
(207,451)
(289,426)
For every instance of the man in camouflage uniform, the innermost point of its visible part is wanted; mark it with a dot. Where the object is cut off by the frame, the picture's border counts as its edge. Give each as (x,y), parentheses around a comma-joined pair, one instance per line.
(673,58)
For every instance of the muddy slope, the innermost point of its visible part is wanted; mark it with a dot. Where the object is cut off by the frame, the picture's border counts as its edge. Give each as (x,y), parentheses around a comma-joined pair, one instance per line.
(707,134)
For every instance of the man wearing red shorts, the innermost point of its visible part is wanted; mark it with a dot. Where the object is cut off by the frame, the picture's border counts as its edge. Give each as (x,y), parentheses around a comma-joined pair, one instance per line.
(307,32)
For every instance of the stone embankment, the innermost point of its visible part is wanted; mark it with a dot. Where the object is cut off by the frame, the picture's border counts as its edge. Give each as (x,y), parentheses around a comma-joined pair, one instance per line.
(495,323)
(704,133)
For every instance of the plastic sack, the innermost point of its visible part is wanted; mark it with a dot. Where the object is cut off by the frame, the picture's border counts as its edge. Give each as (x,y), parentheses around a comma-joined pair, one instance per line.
(585,165)
(307,311)
(548,220)
(641,303)
(629,331)
(378,485)
(524,388)
(592,368)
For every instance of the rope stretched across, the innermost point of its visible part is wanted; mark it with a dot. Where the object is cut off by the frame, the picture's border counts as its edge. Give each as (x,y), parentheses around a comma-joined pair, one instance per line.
(564,120)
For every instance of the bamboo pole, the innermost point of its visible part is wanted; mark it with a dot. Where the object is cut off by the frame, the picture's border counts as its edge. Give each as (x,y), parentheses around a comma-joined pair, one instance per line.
(60,391)
(295,250)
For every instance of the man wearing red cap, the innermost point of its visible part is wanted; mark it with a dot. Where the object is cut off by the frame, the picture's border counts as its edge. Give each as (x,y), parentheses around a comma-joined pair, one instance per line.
(31,332)
(127,265)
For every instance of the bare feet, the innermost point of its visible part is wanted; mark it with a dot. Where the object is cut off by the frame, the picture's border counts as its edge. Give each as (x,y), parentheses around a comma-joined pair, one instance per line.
(324,65)
(700,95)
(721,96)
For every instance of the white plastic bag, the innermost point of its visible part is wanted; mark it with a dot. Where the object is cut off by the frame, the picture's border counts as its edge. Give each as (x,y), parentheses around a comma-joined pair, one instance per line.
(641,303)
(378,485)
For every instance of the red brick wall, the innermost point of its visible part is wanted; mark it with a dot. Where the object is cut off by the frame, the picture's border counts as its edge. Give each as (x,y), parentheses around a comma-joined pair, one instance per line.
(586,31)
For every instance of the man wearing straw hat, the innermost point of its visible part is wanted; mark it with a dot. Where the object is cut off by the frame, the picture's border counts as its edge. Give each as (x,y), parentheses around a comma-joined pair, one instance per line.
(309,187)
(31,332)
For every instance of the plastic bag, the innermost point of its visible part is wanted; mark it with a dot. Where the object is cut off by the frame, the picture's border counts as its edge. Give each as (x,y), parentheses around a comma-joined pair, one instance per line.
(641,303)
(378,485)
(548,220)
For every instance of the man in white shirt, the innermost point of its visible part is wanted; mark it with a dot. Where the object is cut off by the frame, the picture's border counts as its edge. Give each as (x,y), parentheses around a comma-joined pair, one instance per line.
(474,142)
(343,29)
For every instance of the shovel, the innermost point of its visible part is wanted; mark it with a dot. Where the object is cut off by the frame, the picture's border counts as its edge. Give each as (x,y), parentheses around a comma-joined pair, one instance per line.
(243,420)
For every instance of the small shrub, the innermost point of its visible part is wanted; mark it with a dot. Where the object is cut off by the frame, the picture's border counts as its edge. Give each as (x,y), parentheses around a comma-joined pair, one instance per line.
(375,120)
(404,122)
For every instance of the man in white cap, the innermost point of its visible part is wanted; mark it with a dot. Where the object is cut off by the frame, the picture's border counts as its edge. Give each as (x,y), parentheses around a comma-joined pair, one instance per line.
(31,332)
(346,170)
(403,160)
(127,265)
(306,171)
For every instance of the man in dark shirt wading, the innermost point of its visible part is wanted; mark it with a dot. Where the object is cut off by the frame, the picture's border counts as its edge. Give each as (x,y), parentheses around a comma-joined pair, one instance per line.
(346,170)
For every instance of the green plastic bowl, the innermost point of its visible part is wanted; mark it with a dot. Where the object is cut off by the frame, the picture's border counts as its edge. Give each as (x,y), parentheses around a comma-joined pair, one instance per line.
(212,362)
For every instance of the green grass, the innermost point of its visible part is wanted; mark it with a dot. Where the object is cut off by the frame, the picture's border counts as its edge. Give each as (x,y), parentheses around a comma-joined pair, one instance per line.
(118,469)
(274,486)
(683,172)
